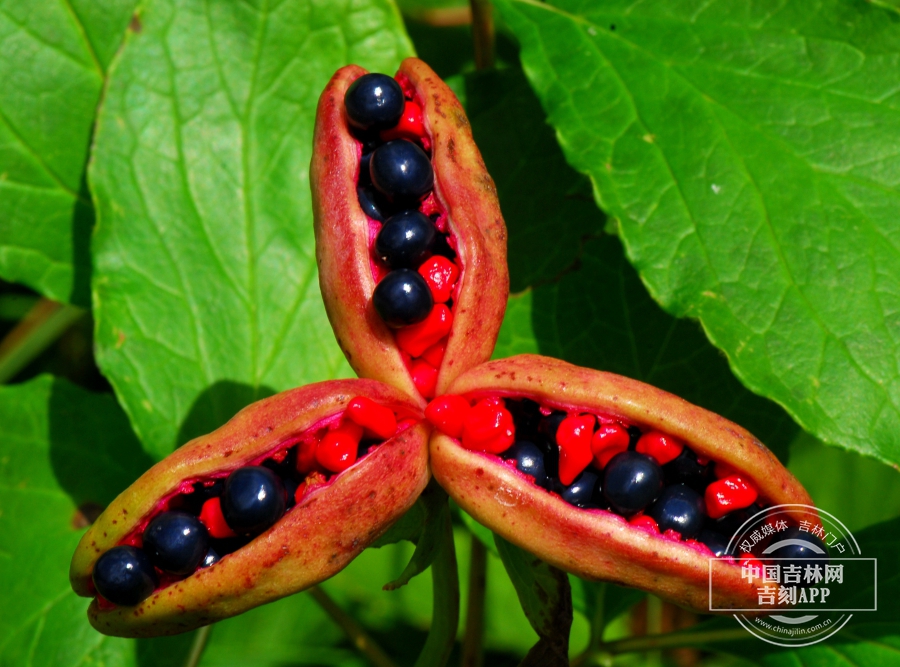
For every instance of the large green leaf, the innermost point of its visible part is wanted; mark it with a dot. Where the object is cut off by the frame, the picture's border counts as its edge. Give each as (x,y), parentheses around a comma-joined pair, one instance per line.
(541,196)
(601,316)
(206,289)
(62,449)
(53,59)
(748,152)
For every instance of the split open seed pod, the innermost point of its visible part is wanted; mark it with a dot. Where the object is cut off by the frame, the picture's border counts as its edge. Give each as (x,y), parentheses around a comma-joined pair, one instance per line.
(598,542)
(335,515)
(463,205)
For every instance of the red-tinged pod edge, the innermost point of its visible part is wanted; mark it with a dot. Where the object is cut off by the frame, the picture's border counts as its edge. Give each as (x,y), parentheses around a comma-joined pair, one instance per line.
(473,284)
(329,514)
(599,537)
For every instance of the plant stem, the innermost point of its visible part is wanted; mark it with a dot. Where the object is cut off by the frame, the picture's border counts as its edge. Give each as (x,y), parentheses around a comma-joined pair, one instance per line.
(43,324)
(472,655)
(445,603)
(360,638)
(684,639)
(483,33)
(201,639)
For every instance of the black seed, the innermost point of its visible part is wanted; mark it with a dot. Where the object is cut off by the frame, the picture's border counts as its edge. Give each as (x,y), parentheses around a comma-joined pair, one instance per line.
(253,500)
(679,508)
(550,424)
(124,575)
(374,101)
(529,459)
(402,298)
(176,542)
(684,469)
(631,482)
(716,542)
(400,169)
(405,240)
(584,491)
(211,558)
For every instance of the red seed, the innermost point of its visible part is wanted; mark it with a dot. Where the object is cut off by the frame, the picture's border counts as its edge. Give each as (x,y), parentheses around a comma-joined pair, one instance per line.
(410,126)
(488,428)
(435,354)
(441,275)
(424,376)
(662,447)
(609,440)
(729,494)
(448,414)
(417,338)
(376,419)
(211,516)
(337,450)
(644,522)
(574,439)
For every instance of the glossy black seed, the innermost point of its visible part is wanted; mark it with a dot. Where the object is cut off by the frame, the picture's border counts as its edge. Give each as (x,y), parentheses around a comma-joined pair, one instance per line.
(124,575)
(716,542)
(369,203)
(729,524)
(405,240)
(631,481)
(176,542)
(550,424)
(402,298)
(253,500)
(797,545)
(584,491)
(211,558)
(529,459)
(374,101)
(684,469)
(400,169)
(679,508)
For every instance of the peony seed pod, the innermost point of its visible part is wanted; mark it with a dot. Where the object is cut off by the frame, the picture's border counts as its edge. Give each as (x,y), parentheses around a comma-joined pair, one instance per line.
(281,497)
(408,307)
(606,477)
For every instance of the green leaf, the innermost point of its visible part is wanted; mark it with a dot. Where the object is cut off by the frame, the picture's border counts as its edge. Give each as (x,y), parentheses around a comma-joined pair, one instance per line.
(546,598)
(747,151)
(291,631)
(445,585)
(601,316)
(53,60)
(541,196)
(63,449)
(858,490)
(206,289)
